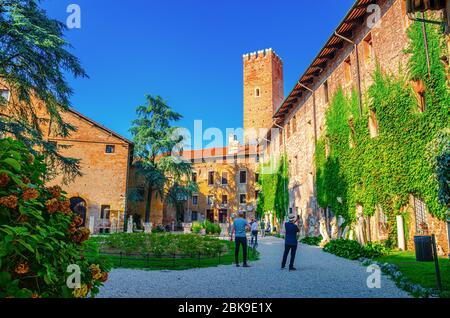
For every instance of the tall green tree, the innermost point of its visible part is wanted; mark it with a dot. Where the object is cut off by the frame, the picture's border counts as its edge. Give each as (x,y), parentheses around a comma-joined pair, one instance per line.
(34,62)
(155,139)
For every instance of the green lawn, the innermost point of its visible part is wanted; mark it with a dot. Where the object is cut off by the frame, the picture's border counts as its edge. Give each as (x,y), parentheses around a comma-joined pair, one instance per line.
(419,272)
(170,263)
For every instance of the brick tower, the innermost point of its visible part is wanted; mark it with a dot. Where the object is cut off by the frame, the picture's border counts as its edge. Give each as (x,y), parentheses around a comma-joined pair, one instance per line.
(263,89)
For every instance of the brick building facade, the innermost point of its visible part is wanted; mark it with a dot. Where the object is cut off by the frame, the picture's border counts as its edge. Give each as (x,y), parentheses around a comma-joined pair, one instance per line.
(100,194)
(226,183)
(348,60)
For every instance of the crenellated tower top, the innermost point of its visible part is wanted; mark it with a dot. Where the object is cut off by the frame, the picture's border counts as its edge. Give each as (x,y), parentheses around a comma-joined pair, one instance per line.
(263,89)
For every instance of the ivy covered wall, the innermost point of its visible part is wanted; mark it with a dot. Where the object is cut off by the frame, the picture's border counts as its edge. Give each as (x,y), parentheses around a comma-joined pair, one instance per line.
(273,184)
(355,168)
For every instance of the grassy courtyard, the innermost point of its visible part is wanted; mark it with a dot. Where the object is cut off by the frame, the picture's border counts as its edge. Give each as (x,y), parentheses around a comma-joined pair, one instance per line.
(419,272)
(167,251)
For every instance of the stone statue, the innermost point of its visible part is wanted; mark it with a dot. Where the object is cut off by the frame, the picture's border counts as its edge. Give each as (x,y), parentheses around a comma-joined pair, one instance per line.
(311,226)
(130,225)
(324,232)
(302,228)
(361,230)
(334,229)
(341,222)
(345,232)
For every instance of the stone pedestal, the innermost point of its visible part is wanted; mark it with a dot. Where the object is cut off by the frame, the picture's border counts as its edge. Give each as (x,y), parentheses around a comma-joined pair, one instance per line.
(92,224)
(400,233)
(148,228)
(187,228)
(130,225)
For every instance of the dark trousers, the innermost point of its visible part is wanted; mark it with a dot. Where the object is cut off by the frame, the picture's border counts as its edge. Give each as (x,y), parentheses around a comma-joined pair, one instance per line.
(254,236)
(240,241)
(287,248)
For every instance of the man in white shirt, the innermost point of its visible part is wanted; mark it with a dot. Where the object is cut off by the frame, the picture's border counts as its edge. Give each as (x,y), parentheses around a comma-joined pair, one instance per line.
(254,229)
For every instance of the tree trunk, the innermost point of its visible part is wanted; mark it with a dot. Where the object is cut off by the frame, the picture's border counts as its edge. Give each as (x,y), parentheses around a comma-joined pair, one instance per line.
(148,205)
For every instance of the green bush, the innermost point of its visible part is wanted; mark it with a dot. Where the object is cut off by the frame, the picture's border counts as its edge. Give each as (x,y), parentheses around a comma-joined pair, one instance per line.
(345,248)
(196,227)
(39,235)
(353,250)
(312,240)
(209,227)
(375,249)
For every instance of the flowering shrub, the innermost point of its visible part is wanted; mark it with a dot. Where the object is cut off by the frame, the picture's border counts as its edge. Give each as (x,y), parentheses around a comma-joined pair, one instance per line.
(39,235)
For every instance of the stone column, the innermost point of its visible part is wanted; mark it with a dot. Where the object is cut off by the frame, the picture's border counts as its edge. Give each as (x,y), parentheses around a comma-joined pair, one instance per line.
(400,233)
(92,224)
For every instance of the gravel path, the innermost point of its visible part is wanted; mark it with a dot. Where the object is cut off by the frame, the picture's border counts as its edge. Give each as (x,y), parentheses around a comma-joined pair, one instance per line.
(319,275)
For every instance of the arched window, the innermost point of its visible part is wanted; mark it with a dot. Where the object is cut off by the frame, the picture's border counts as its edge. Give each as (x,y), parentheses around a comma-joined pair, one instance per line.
(79,207)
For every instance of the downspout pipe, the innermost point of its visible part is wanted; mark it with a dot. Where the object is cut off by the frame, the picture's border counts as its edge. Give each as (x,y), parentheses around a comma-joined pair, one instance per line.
(314,109)
(358,70)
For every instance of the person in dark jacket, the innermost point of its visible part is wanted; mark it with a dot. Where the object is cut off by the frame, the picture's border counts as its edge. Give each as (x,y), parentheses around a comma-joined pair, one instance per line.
(290,243)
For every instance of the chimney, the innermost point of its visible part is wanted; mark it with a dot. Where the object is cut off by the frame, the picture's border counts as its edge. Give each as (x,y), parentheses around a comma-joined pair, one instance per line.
(233,144)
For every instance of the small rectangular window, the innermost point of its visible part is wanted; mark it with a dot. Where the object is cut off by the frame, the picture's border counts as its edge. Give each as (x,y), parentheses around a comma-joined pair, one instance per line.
(368,49)
(242,177)
(105,212)
(211,178)
(326,92)
(194,177)
(194,216)
(419,90)
(224,199)
(110,149)
(243,198)
(194,199)
(224,178)
(210,199)
(4,93)
(256,177)
(348,70)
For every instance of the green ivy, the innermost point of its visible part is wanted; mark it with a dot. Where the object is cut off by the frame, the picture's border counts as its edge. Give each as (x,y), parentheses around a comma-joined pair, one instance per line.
(360,170)
(273,183)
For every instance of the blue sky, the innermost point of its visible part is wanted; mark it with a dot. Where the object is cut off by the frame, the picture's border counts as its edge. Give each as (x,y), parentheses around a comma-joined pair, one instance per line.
(187,51)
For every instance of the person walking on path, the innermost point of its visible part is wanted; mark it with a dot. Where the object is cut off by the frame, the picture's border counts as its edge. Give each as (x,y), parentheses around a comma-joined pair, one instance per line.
(239,227)
(290,243)
(254,227)
(263,228)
